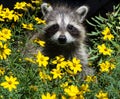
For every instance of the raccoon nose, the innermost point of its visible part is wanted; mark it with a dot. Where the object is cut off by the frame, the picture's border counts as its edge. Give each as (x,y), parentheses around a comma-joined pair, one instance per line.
(62,39)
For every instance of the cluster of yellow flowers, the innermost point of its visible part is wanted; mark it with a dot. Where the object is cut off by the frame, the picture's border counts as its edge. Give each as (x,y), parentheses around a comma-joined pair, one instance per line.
(23,6)
(27,26)
(5,34)
(8,15)
(107,34)
(71,67)
(102,95)
(61,67)
(56,72)
(74,92)
(30,26)
(105,67)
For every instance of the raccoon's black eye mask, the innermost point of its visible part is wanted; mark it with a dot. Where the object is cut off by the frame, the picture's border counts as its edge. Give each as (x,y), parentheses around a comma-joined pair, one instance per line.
(51,30)
(72,30)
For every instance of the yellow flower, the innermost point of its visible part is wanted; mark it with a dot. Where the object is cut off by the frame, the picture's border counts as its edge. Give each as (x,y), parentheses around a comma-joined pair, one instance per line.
(56,73)
(64,85)
(90,78)
(1,19)
(29,5)
(49,96)
(40,21)
(58,59)
(104,50)
(15,17)
(20,5)
(63,97)
(77,97)
(84,88)
(59,62)
(4,51)
(106,66)
(37,1)
(40,42)
(28,26)
(19,14)
(10,83)
(2,37)
(30,60)
(102,95)
(107,34)
(1,7)
(7,14)
(44,76)
(41,59)
(2,71)
(1,97)
(5,34)
(72,90)
(33,87)
(75,65)
(112,66)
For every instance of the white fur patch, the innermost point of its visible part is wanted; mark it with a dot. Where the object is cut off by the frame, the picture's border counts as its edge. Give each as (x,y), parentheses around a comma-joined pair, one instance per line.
(63,19)
(59,19)
(66,20)
(50,24)
(55,36)
(69,37)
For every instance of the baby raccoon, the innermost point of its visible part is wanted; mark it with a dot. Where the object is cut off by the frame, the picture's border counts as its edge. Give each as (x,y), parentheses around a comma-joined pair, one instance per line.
(65,34)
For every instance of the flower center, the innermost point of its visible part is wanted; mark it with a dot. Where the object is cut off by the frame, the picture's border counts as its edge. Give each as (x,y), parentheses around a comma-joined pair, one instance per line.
(10,82)
(108,33)
(105,49)
(7,14)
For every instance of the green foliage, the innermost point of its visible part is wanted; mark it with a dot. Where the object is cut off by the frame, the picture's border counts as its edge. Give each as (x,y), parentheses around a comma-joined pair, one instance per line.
(33,85)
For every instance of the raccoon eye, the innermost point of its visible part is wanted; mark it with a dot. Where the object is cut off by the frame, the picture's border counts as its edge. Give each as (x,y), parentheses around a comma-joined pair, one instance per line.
(55,27)
(72,30)
(52,30)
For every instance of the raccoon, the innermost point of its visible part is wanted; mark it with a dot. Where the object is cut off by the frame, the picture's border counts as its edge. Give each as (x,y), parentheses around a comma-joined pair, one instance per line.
(65,34)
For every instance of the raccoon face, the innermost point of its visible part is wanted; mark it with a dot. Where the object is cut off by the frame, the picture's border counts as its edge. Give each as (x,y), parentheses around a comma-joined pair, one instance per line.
(63,24)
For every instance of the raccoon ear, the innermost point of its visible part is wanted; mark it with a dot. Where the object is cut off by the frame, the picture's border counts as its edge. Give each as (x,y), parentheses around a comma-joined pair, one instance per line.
(46,8)
(82,11)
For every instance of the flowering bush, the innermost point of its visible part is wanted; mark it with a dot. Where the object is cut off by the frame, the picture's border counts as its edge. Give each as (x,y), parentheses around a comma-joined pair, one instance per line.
(23,77)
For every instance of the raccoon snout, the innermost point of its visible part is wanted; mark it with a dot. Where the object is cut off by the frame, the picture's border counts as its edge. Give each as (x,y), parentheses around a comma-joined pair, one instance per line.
(62,39)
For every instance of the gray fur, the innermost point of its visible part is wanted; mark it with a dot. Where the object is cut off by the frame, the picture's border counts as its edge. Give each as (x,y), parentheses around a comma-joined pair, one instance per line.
(74,42)
(74,46)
